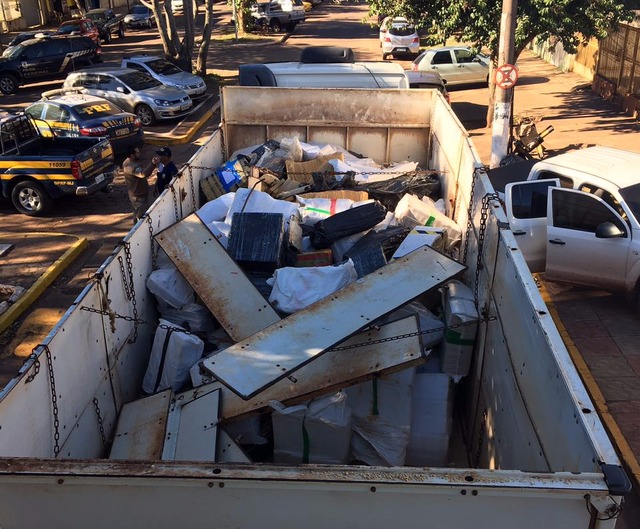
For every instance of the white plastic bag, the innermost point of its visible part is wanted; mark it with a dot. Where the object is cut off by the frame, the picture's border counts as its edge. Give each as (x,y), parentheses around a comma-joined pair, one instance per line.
(411,212)
(168,285)
(293,148)
(313,210)
(172,355)
(248,201)
(216,209)
(191,316)
(297,288)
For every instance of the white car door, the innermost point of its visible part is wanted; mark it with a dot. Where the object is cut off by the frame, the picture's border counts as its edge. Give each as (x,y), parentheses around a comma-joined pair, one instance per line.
(443,62)
(526,207)
(471,70)
(578,249)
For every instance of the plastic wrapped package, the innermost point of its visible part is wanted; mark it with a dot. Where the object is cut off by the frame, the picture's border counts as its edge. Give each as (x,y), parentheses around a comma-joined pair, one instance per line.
(366,170)
(256,240)
(313,210)
(248,201)
(461,319)
(342,246)
(191,316)
(173,353)
(388,240)
(216,209)
(168,285)
(354,220)
(296,288)
(318,432)
(381,418)
(231,174)
(412,212)
(389,192)
(429,323)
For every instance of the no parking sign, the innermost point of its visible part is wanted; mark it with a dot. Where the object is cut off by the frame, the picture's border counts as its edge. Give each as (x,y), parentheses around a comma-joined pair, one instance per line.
(506,76)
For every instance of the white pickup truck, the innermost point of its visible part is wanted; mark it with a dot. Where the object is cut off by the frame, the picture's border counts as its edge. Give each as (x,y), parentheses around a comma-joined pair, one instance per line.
(577,218)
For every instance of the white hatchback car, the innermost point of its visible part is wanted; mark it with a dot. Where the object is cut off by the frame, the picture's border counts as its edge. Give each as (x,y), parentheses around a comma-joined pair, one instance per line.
(398,37)
(455,64)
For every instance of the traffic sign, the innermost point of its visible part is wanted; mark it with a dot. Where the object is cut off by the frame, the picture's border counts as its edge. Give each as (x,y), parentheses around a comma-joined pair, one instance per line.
(506,76)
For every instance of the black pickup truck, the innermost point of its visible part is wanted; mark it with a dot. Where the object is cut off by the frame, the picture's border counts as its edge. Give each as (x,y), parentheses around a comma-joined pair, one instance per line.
(36,168)
(107,22)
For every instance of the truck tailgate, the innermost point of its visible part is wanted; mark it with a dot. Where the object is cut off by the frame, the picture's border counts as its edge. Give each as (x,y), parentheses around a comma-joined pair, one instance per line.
(96,160)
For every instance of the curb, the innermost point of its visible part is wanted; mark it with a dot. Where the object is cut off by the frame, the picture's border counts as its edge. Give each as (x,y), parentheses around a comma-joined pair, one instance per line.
(51,273)
(621,443)
(168,139)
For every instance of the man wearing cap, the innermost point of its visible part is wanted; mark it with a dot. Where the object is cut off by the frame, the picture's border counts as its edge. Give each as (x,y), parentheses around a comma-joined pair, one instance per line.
(166,169)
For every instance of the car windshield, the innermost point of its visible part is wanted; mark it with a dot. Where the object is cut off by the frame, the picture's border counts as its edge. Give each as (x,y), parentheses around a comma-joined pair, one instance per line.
(402,31)
(163,67)
(139,10)
(138,81)
(95,110)
(631,196)
(14,53)
(65,29)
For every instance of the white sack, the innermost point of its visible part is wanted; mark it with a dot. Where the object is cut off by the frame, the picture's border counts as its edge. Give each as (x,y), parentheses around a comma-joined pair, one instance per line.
(168,285)
(191,316)
(313,210)
(174,355)
(297,288)
(411,212)
(248,201)
(216,209)
(368,171)
(342,246)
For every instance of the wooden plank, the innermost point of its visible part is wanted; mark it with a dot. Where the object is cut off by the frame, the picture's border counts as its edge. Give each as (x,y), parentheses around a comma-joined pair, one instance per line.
(141,428)
(252,365)
(192,427)
(216,278)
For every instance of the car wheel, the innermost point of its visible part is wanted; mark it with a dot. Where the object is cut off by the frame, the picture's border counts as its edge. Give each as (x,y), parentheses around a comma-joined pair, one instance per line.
(290,27)
(107,37)
(121,31)
(8,84)
(276,26)
(384,56)
(145,114)
(30,198)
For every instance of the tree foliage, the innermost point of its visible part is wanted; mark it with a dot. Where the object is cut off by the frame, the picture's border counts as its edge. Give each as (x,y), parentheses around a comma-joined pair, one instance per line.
(478,21)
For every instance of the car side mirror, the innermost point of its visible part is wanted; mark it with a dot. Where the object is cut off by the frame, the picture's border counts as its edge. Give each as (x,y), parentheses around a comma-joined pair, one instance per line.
(608,230)
(122,89)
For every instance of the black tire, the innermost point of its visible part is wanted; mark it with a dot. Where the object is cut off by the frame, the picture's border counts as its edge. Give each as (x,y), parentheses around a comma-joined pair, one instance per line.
(290,27)
(107,37)
(30,198)
(8,83)
(120,31)
(275,26)
(145,114)
(384,56)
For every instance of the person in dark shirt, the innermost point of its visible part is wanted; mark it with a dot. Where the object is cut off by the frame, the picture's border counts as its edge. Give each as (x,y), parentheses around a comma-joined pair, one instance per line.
(135,177)
(166,169)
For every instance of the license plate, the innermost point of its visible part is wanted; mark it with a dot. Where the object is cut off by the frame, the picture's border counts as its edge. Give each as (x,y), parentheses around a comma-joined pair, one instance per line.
(184,107)
(121,132)
(402,49)
(99,178)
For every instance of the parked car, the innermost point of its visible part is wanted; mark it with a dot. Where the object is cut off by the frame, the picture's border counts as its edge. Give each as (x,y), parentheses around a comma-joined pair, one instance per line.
(167,73)
(139,16)
(22,37)
(44,59)
(430,79)
(398,37)
(278,15)
(455,64)
(107,22)
(77,115)
(133,91)
(82,26)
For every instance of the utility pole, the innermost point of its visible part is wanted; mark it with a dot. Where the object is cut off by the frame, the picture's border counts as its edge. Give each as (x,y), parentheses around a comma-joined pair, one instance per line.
(503,97)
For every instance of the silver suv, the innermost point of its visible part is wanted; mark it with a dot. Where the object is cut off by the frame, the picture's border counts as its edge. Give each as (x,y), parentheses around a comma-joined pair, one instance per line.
(132,91)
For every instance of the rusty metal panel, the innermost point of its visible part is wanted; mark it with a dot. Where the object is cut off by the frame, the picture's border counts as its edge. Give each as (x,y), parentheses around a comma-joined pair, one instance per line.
(335,370)
(141,428)
(256,363)
(216,278)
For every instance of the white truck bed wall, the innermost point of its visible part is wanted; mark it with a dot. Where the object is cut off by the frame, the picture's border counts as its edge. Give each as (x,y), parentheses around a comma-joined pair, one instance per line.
(526,412)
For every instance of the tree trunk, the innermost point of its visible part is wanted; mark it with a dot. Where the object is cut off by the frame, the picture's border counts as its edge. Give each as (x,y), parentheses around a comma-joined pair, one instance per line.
(201,64)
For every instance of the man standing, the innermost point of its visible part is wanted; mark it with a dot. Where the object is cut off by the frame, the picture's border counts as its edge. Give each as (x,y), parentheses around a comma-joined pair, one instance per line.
(136,179)
(166,169)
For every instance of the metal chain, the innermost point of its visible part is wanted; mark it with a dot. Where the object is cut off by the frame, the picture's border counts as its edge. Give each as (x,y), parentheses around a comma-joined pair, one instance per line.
(125,281)
(54,402)
(474,179)
(132,290)
(193,190)
(36,365)
(483,427)
(96,405)
(484,215)
(136,320)
(154,245)
(174,196)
